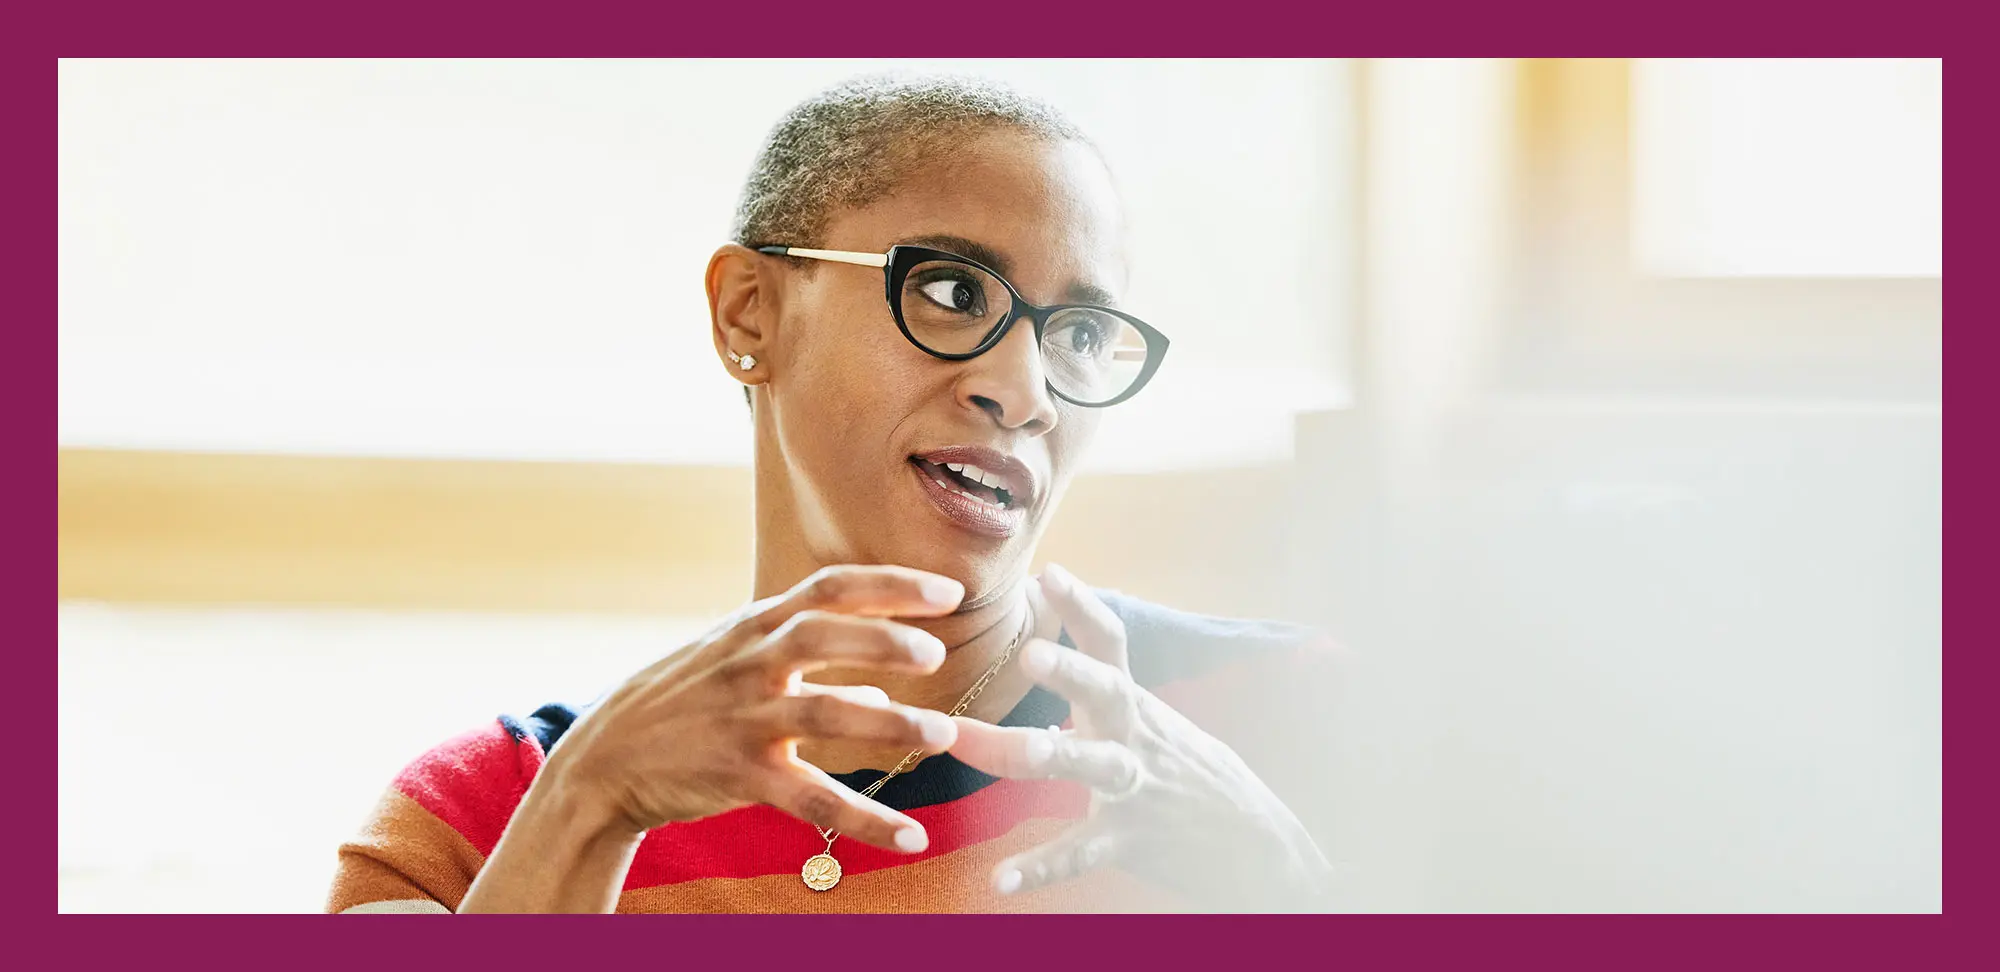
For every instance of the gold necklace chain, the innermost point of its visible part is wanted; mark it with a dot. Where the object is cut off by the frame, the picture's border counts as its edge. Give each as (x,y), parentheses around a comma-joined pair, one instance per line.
(822,870)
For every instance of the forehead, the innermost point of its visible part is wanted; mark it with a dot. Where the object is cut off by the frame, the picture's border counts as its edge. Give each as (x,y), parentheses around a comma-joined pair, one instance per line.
(1047,211)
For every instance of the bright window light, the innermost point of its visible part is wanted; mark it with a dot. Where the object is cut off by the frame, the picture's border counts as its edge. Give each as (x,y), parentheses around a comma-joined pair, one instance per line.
(1788,167)
(503,259)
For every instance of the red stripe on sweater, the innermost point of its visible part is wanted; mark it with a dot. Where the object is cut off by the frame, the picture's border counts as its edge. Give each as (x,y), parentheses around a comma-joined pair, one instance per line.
(760,840)
(473,782)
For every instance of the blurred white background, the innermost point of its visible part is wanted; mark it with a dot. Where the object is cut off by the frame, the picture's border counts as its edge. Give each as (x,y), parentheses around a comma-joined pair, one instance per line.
(503,259)
(1593,404)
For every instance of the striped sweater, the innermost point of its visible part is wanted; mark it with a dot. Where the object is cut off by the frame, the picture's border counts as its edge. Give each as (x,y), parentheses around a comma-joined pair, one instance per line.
(445,812)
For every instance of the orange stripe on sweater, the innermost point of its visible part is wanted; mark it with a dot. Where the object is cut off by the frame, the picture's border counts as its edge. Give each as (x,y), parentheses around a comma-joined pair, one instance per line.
(404,852)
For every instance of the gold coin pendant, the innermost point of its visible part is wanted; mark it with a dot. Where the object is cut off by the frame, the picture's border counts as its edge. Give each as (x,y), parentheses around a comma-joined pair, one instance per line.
(821,872)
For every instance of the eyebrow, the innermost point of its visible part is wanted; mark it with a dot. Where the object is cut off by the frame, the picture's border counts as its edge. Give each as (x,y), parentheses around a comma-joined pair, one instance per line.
(1079,292)
(1083,293)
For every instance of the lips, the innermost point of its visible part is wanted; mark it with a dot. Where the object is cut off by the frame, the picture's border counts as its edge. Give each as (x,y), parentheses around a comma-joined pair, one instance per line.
(978,489)
(983,466)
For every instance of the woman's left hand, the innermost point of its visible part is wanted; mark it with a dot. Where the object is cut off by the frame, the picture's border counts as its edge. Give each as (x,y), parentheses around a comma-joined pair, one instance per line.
(1169,802)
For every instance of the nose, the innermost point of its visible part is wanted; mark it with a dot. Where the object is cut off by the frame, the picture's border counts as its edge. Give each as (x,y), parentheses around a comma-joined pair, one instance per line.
(1007,383)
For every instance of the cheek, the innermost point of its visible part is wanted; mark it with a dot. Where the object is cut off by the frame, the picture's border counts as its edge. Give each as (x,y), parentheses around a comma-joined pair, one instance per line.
(846,384)
(837,350)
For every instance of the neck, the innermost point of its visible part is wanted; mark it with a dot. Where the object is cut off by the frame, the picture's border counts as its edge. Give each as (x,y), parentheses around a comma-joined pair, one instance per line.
(786,555)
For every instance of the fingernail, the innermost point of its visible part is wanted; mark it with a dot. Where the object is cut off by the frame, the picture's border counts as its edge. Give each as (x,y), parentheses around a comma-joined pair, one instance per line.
(930,650)
(911,840)
(942,591)
(1039,748)
(1007,880)
(1037,658)
(939,733)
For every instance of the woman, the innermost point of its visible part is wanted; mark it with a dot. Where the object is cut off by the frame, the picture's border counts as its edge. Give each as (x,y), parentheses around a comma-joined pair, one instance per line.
(933,434)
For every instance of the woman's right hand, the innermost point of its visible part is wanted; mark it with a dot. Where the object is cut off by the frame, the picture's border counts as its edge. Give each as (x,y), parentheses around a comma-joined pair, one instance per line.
(713,726)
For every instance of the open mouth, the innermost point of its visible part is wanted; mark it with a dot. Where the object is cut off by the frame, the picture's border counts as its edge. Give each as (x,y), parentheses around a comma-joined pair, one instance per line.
(981,490)
(968,480)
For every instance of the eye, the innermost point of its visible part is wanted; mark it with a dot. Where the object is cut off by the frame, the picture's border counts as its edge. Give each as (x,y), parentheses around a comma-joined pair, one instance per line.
(1081,335)
(954,293)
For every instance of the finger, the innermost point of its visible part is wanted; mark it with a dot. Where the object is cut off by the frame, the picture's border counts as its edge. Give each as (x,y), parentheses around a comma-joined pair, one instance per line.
(1075,852)
(873,591)
(813,640)
(832,717)
(860,694)
(806,792)
(1034,754)
(1096,631)
(1101,690)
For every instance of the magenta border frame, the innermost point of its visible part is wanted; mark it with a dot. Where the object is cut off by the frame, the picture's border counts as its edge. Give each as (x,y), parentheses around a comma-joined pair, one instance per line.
(41,33)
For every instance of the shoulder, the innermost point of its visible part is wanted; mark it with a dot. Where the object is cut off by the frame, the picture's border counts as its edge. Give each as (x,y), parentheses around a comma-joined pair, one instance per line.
(473,781)
(440,818)
(1168,645)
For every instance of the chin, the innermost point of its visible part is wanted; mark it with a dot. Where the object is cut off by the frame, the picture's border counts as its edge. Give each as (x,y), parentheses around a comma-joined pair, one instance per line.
(986,567)
(958,530)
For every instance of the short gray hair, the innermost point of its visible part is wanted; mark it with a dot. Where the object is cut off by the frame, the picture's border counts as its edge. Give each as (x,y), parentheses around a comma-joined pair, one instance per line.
(847,145)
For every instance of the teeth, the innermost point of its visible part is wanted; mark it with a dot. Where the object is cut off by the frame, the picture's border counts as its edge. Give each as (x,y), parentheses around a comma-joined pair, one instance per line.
(974,473)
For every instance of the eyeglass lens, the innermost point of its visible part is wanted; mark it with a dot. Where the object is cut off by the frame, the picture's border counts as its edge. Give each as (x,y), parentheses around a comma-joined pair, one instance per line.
(1089,355)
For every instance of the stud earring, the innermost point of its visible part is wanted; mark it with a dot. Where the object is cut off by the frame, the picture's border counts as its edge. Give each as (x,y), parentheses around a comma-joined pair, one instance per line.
(744,362)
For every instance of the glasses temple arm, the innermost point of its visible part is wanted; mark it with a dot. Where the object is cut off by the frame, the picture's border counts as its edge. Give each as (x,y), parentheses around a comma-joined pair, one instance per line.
(837,256)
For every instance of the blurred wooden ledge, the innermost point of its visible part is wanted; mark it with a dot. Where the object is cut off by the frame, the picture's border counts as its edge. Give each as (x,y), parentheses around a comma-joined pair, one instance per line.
(193,528)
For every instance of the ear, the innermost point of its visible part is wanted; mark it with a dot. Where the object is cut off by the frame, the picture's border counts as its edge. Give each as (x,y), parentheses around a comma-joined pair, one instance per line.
(742,310)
